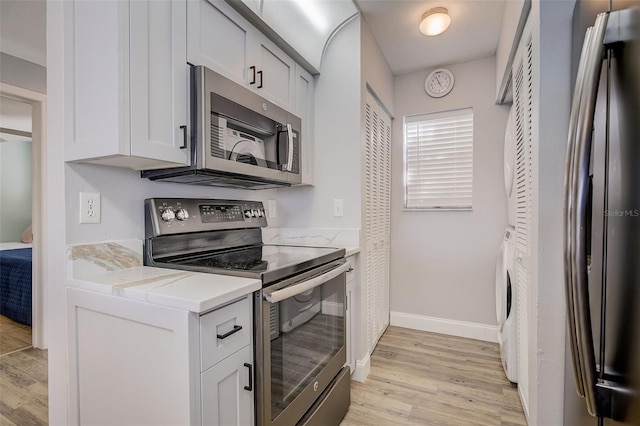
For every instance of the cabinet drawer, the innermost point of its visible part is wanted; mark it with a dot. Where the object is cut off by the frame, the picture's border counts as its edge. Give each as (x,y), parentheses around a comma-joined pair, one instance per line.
(225,331)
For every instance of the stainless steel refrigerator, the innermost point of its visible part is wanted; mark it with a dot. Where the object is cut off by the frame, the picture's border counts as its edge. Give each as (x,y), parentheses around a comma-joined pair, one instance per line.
(602,217)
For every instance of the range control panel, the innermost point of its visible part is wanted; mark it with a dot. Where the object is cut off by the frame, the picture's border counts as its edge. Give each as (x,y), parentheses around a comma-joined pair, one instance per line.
(182,215)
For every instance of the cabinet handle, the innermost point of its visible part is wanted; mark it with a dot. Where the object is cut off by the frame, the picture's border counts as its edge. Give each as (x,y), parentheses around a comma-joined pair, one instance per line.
(250,367)
(184,136)
(260,85)
(236,328)
(253,69)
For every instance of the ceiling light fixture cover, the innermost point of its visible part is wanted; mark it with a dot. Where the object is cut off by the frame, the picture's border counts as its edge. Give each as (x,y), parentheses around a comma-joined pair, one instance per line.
(435,21)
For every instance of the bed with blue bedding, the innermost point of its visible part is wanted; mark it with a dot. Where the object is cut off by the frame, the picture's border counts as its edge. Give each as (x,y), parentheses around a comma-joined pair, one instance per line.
(15,283)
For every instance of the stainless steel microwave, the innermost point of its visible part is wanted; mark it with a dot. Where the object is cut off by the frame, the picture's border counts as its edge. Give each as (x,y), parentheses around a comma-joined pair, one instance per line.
(238,138)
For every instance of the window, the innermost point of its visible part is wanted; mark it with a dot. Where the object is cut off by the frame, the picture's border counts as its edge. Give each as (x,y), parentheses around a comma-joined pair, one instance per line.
(439,160)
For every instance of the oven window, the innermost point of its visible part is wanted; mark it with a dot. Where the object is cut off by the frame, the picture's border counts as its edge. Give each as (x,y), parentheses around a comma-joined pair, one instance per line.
(307,331)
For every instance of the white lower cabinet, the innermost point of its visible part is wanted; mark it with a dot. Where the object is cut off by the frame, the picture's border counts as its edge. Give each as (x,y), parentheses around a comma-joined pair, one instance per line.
(226,359)
(227,391)
(137,363)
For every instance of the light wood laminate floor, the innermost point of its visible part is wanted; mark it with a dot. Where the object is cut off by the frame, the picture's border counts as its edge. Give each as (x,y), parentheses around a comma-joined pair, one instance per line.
(416,378)
(420,378)
(23,388)
(13,335)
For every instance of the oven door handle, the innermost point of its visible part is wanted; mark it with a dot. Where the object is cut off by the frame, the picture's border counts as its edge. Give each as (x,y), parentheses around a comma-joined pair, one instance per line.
(295,289)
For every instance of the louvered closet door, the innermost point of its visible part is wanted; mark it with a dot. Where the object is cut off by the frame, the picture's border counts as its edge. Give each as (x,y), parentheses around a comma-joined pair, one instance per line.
(377,218)
(523,96)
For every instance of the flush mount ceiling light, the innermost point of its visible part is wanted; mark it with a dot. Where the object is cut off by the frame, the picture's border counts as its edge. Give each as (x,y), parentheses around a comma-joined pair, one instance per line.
(435,21)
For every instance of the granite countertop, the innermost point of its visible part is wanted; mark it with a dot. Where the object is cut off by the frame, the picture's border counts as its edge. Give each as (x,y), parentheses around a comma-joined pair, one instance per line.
(116,268)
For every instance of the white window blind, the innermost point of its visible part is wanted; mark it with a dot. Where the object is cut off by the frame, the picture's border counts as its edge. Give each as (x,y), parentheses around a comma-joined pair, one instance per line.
(439,160)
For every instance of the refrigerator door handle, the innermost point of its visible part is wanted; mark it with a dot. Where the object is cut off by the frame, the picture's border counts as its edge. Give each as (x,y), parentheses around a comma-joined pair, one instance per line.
(568,206)
(578,214)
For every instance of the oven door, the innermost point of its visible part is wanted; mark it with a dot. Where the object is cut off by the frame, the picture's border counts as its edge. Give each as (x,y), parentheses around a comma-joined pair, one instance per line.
(300,342)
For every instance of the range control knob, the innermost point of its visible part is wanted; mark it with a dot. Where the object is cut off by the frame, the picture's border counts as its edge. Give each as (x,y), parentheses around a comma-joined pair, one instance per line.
(182,214)
(248,213)
(168,215)
(260,213)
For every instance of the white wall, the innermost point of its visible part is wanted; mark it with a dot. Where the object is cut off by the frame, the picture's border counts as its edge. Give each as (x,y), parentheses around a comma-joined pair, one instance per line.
(443,263)
(512,24)
(375,70)
(53,189)
(123,193)
(20,73)
(337,141)
(23,30)
(15,189)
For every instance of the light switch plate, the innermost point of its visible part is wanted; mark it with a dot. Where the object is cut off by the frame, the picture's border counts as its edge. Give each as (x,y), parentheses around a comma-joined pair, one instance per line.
(338,207)
(89,207)
(272,209)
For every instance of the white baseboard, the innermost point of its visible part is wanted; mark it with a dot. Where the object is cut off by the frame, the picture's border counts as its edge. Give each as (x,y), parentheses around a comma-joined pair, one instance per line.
(487,333)
(363,367)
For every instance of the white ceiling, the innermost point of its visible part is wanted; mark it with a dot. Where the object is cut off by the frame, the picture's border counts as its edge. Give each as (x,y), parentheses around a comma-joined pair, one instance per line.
(23,29)
(473,34)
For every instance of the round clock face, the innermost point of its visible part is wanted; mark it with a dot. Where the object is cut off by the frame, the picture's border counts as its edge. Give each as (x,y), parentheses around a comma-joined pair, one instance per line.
(439,83)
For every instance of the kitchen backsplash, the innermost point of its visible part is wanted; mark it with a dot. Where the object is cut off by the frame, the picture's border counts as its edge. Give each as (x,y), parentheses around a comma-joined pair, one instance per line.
(312,236)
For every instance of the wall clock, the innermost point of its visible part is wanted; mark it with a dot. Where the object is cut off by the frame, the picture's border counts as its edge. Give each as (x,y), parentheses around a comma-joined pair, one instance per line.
(439,83)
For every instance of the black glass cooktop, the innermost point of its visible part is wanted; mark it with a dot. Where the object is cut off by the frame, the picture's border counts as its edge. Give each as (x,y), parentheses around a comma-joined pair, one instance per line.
(246,260)
(268,262)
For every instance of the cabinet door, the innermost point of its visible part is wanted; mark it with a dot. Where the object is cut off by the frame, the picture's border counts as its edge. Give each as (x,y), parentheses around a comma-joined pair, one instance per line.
(225,401)
(304,90)
(219,38)
(96,46)
(276,73)
(159,80)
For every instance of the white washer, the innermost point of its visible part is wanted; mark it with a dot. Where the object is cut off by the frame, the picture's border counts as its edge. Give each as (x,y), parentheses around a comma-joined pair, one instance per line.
(506,305)
(510,167)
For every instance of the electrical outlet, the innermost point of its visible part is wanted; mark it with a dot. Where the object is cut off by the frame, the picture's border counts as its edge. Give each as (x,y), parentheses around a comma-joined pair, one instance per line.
(338,207)
(89,207)
(272,208)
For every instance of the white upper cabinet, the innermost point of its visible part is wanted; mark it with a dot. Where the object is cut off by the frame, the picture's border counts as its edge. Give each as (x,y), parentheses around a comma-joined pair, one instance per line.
(159,80)
(222,40)
(305,85)
(276,72)
(128,83)
(219,38)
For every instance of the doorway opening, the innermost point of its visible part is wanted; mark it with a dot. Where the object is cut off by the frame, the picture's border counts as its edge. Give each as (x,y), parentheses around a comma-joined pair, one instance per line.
(22,142)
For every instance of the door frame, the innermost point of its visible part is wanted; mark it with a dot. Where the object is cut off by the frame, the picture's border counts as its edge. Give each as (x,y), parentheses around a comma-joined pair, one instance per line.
(38,103)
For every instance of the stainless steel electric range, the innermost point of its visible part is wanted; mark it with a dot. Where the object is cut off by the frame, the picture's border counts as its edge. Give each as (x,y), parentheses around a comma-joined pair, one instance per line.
(299,313)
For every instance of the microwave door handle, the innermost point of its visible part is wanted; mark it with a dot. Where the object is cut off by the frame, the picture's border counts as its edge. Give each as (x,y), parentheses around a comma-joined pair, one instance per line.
(568,207)
(289,164)
(290,149)
(295,289)
(580,189)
